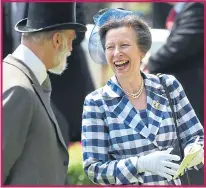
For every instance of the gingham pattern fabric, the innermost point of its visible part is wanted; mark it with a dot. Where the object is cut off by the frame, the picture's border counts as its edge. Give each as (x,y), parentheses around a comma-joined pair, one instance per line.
(114,136)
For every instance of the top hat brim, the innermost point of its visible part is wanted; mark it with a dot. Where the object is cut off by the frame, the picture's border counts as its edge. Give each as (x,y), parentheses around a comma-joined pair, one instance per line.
(23,28)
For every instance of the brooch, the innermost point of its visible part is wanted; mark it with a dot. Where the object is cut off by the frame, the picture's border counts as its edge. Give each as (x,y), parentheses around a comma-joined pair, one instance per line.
(156,105)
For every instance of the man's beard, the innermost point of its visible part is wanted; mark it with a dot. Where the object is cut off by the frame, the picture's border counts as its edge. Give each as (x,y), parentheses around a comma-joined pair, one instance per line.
(61,60)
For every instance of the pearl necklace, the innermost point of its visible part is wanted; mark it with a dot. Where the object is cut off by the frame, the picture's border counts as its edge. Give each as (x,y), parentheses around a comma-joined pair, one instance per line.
(135,95)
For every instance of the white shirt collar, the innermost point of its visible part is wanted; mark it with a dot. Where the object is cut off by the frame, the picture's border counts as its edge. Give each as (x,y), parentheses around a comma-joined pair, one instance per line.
(32,61)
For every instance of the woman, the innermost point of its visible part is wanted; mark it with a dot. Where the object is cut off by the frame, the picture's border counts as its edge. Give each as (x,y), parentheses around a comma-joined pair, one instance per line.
(128,130)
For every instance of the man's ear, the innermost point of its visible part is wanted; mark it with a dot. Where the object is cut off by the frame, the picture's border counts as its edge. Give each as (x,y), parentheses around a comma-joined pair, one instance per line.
(57,40)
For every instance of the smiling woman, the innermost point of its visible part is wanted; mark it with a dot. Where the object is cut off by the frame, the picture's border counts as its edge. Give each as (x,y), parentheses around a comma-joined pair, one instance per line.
(126,41)
(121,50)
(128,130)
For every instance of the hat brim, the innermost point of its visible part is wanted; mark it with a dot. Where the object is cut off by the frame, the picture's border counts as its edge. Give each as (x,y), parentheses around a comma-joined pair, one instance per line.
(22,28)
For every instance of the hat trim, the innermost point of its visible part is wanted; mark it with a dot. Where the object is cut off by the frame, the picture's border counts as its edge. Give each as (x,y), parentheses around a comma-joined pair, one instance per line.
(22,28)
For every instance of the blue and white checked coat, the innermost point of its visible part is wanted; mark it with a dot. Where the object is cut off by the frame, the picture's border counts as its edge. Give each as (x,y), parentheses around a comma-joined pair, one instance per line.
(114,136)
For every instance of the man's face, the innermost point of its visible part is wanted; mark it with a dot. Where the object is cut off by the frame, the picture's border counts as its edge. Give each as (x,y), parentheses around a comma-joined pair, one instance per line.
(60,59)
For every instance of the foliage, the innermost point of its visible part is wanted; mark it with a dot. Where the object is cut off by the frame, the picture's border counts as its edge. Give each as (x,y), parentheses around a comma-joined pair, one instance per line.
(76,174)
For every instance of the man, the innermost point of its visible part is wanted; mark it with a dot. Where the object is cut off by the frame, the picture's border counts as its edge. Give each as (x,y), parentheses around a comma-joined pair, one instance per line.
(62,98)
(183,56)
(34,151)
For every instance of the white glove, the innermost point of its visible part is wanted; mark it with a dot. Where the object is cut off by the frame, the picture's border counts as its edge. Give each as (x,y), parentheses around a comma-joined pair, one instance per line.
(159,163)
(199,158)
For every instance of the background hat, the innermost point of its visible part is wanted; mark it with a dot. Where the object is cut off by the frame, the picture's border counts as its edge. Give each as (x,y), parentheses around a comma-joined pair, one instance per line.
(50,16)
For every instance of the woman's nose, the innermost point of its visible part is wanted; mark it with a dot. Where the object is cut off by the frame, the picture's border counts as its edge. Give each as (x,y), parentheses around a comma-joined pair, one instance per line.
(117,51)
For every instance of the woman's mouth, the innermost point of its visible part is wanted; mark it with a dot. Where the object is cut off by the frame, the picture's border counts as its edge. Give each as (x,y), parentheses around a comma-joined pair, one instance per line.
(121,65)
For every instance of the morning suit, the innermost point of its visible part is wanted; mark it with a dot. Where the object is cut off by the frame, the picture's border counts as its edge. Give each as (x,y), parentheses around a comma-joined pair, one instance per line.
(114,134)
(13,12)
(62,97)
(34,151)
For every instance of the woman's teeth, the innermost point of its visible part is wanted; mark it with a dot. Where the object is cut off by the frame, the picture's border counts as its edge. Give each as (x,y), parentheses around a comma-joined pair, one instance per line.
(121,63)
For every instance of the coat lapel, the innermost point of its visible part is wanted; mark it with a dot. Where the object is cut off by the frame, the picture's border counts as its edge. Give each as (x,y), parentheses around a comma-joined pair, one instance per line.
(21,66)
(49,110)
(157,104)
(126,113)
(122,109)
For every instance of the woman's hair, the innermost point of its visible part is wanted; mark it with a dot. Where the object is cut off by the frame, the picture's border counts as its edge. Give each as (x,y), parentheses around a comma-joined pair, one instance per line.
(143,35)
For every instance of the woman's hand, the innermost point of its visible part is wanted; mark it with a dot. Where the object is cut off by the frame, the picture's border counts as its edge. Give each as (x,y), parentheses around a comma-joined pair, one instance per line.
(159,163)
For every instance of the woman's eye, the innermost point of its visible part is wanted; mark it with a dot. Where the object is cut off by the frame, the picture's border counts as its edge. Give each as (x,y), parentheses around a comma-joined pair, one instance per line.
(109,47)
(124,45)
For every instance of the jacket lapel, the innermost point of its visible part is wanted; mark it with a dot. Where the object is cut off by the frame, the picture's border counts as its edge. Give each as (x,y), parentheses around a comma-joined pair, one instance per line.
(21,66)
(49,110)
(157,104)
(125,112)
(122,108)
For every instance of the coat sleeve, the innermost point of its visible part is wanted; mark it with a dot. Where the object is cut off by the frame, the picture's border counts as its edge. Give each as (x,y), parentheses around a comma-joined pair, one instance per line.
(184,41)
(98,164)
(17,116)
(189,125)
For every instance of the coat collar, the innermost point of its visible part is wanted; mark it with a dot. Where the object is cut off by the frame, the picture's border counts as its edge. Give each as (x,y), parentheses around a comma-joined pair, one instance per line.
(25,55)
(10,59)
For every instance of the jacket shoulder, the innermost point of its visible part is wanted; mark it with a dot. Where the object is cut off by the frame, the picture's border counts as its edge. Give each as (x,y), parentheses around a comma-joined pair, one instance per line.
(170,81)
(95,97)
(12,77)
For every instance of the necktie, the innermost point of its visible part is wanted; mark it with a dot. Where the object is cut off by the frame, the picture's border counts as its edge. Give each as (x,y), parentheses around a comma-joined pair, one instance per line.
(46,86)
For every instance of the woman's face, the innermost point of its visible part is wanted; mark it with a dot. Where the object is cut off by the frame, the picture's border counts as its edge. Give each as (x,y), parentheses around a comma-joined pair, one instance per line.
(122,52)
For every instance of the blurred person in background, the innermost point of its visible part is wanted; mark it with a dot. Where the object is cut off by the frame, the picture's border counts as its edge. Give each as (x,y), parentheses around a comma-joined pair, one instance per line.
(6,29)
(175,10)
(128,130)
(183,57)
(159,14)
(183,54)
(34,151)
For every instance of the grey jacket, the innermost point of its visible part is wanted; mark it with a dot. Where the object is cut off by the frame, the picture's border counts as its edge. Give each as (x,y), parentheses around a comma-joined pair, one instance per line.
(34,151)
